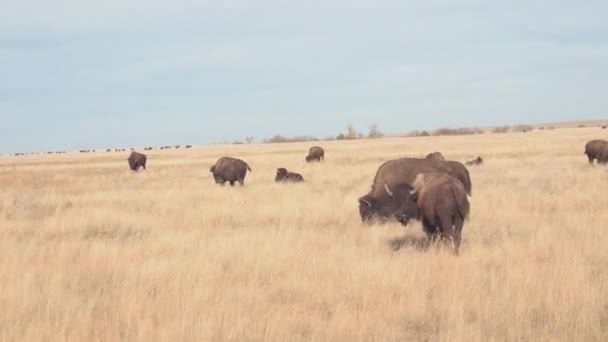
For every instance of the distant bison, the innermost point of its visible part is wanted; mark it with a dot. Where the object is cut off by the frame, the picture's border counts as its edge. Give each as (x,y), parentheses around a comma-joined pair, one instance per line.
(188,146)
(137,160)
(438,200)
(377,204)
(476,161)
(285,176)
(230,170)
(316,153)
(598,150)
(435,156)
(605,126)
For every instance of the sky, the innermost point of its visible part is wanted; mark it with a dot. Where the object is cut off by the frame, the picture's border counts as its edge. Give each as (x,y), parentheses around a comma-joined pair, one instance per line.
(121,73)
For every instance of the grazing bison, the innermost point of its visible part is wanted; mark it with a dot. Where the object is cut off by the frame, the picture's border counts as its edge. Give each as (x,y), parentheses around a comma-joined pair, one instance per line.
(598,150)
(285,176)
(188,146)
(377,204)
(316,153)
(435,156)
(476,161)
(438,200)
(230,170)
(137,160)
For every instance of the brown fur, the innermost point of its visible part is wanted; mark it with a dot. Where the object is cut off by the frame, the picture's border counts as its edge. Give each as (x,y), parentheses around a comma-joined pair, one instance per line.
(286,176)
(440,202)
(597,150)
(137,160)
(435,156)
(231,170)
(316,153)
(377,204)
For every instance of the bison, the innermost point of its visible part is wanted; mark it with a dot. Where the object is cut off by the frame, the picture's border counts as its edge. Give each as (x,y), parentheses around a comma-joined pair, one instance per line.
(230,170)
(435,156)
(137,160)
(377,204)
(316,153)
(285,176)
(598,150)
(476,161)
(438,200)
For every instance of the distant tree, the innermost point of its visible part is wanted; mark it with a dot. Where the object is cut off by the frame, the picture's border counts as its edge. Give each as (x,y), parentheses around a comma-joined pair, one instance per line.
(500,129)
(249,140)
(374,131)
(340,136)
(351,132)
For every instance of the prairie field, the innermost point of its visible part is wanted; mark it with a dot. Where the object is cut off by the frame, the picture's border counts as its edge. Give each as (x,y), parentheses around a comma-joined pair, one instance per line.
(90,251)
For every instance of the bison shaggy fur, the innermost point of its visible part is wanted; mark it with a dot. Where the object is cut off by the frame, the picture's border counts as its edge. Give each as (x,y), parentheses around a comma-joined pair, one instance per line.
(137,160)
(439,201)
(286,176)
(316,153)
(231,170)
(597,150)
(377,204)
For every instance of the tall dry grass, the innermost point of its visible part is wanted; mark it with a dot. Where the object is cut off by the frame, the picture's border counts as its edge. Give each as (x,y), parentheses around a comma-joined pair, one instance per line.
(90,251)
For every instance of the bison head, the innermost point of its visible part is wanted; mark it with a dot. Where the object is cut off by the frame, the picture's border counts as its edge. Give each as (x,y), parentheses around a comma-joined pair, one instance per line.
(385,207)
(212,169)
(308,158)
(404,198)
(281,174)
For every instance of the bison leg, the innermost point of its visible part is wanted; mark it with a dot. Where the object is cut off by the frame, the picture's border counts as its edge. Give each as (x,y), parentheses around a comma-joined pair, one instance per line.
(458,224)
(590,158)
(242,181)
(429,230)
(450,233)
(231,183)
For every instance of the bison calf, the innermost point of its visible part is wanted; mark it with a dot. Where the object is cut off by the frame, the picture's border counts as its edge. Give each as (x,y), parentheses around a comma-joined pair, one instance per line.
(285,176)
(438,200)
(230,170)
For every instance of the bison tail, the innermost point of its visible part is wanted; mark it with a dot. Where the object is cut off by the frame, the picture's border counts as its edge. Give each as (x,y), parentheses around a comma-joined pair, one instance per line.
(467,186)
(248,168)
(461,206)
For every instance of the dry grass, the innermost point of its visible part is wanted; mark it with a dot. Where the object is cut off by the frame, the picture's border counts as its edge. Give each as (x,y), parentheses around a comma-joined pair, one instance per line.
(90,251)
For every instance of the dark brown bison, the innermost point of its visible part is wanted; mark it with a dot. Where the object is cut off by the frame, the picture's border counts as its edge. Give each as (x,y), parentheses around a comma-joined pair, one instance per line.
(377,204)
(435,156)
(476,161)
(316,153)
(285,176)
(137,160)
(230,170)
(438,200)
(598,150)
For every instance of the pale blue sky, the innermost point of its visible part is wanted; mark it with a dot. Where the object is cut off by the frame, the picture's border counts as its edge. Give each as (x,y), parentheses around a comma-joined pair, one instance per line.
(94,74)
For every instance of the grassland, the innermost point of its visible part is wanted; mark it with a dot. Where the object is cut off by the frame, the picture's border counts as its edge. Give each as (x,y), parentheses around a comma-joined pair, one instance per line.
(90,251)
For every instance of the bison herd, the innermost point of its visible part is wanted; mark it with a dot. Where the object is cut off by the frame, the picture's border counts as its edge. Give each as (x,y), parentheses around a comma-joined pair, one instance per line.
(432,190)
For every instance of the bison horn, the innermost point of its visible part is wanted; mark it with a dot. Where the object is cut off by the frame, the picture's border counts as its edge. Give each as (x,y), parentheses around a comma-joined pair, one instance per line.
(413,192)
(368,203)
(388,191)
